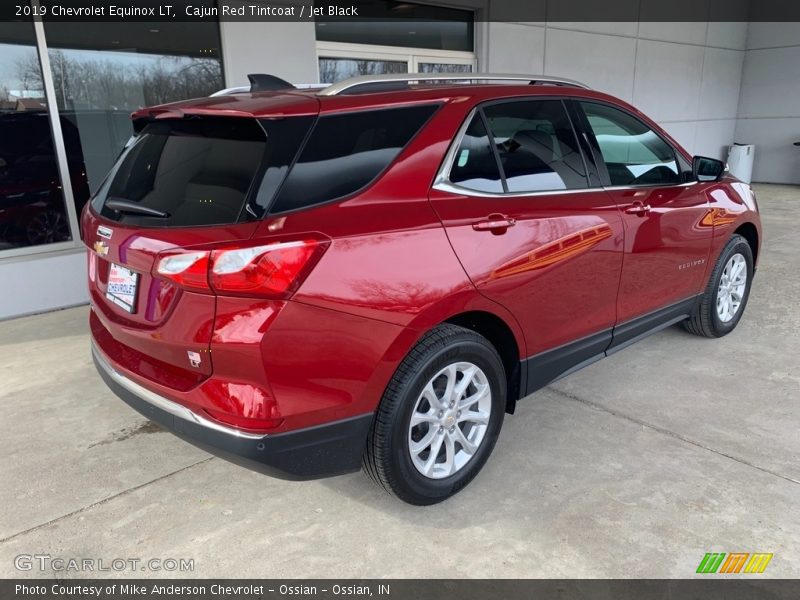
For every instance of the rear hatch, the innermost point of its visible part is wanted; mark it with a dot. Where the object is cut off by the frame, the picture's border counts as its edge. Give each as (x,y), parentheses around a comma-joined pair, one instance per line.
(189,181)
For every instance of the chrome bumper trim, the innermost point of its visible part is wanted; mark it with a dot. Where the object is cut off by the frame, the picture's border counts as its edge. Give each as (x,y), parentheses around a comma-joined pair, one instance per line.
(175,409)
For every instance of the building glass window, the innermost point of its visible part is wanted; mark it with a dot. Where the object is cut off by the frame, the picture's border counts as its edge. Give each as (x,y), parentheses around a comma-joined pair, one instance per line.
(332,69)
(102,74)
(32,209)
(342,61)
(433,27)
(438,40)
(443,67)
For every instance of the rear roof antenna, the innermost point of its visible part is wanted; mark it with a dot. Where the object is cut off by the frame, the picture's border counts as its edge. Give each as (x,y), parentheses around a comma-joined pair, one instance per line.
(261,82)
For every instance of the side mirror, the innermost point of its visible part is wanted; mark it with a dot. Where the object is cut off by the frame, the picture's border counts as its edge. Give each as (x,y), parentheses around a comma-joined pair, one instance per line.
(707,169)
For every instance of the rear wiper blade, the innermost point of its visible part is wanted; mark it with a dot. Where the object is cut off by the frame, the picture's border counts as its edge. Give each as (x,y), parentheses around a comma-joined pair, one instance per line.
(122,205)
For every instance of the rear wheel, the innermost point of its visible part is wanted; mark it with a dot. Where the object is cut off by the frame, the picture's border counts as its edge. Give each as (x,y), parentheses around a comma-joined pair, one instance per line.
(439,418)
(726,294)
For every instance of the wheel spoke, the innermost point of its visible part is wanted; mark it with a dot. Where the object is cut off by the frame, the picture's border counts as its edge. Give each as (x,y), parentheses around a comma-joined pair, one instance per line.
(435,447)
(468,446)
(462,386)
(739,269)
(478,417)
(417,447)
(418,418)
(451,373)
(430,395)
(476,397)
(449,465)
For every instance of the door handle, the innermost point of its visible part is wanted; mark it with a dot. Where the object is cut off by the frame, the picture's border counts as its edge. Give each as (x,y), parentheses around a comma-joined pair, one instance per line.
(637,208)
(496,223)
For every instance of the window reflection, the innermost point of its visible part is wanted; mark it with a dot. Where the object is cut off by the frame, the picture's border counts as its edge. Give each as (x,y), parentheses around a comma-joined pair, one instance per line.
(475,166)
(102,74)
(537,146)
(32,210)
(332,70)
(633,153)
(422,26)
(443,67)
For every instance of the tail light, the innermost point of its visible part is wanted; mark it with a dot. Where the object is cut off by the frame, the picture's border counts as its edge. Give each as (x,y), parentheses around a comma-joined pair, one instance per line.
(187,269)
(271,271)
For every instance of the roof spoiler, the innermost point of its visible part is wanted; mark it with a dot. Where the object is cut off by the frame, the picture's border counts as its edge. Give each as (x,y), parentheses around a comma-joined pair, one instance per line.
(262,82)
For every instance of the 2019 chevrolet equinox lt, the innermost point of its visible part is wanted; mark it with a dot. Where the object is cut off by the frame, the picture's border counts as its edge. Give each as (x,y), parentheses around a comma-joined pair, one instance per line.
(371,274)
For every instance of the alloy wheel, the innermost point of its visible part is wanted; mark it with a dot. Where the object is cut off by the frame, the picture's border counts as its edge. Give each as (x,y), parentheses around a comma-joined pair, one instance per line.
(449,420)
(732,285)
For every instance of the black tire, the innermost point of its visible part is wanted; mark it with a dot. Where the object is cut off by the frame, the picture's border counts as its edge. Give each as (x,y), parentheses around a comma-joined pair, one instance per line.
(387,458)
(705,321)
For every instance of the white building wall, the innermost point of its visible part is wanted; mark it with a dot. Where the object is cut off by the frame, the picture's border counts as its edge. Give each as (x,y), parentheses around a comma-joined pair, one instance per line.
(34,284)
(769,103)
(686,76)
(287,50)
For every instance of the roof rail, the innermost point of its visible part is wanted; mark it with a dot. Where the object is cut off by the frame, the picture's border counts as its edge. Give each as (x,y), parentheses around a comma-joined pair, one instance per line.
(240,89)
(383,82)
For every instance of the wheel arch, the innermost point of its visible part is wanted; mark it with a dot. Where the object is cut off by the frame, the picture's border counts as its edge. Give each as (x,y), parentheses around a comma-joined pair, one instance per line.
(501,336)
(750,233)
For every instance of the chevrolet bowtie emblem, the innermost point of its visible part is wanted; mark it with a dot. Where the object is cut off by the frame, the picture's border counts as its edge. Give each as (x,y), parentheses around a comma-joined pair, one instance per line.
(101,247)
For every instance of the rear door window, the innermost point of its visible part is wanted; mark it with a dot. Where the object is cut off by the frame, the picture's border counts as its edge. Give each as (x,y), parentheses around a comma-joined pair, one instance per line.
(346,152)
(200,171)
(537,146)
(475,166)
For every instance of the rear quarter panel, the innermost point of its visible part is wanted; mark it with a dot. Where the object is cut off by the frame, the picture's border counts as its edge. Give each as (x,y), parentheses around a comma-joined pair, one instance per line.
(388,276)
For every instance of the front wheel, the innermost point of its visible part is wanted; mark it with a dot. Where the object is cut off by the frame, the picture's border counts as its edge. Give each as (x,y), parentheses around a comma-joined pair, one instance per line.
(439,417)
(722,304)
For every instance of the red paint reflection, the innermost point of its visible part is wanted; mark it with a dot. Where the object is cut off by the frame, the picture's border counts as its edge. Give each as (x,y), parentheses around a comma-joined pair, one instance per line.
(559,250)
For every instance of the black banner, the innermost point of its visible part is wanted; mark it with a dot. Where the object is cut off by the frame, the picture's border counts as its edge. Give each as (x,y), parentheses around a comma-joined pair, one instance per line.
(745,588)
(389,10)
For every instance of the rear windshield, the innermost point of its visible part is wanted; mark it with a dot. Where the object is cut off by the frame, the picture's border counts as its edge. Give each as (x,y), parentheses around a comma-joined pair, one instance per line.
(346,152)
(201,171)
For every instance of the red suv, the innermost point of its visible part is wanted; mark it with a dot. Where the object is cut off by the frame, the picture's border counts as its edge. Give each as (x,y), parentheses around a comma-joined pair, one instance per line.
(308,281)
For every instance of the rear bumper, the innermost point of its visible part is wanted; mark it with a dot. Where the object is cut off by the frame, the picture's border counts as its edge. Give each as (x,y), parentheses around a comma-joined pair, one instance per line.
(322,451)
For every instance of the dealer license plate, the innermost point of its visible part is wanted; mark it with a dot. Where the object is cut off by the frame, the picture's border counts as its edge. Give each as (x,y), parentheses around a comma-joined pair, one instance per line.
(121,288)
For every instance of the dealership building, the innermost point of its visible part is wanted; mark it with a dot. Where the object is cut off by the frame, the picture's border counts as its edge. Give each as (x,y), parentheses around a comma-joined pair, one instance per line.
(67,90)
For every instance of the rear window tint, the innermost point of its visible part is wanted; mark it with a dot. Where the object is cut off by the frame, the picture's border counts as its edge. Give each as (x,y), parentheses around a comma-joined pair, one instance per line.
(475,166)
(200,171)
(346,152)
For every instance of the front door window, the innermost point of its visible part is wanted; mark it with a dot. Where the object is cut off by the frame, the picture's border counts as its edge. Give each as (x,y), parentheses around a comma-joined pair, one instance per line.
(632,152)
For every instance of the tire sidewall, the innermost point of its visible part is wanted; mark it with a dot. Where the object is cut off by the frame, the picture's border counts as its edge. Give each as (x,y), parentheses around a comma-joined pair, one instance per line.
(737,246)
(422,489)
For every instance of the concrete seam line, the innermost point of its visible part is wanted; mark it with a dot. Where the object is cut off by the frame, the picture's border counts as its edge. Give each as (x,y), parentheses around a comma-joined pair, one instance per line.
(669,433)
(104,500)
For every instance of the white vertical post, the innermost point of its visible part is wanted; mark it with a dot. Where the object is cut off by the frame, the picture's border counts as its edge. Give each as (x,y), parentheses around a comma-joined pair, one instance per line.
(55,125)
